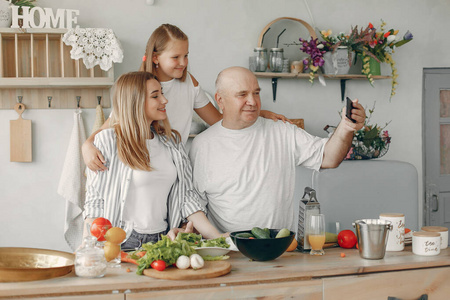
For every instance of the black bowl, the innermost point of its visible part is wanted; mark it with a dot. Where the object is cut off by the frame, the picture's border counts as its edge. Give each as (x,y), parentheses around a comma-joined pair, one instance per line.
(262,249)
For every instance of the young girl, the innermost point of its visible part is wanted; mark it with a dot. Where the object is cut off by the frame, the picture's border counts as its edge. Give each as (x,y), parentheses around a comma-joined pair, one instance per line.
(166,56)
(149,176)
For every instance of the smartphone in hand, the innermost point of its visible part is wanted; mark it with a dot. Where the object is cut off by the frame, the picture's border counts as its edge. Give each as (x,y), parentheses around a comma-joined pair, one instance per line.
(349,107)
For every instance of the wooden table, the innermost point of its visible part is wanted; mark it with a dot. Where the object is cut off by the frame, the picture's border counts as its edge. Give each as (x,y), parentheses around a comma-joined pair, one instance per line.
(400,274)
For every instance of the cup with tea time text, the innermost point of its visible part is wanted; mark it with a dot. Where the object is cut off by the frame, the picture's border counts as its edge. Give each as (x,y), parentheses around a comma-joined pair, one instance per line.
(396,238)
(443,231)
(426,243)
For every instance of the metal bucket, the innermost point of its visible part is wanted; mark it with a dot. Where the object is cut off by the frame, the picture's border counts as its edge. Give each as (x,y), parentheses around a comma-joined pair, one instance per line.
(372,237)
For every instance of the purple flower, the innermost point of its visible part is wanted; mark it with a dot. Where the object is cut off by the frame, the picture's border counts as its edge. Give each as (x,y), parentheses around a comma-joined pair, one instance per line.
(408,36)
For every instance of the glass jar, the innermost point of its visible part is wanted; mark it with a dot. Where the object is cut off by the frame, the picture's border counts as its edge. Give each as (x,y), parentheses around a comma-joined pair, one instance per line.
(276,59)
(90,260)
(261,59)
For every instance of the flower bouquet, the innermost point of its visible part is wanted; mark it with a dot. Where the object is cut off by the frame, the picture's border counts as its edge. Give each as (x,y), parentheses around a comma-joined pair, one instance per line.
(371,141)
(315,60)
(370,43)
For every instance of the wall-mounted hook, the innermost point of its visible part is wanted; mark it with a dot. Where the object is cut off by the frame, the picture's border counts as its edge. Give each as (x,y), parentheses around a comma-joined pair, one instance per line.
(78,101)
(99,100)
(49,98)
(19,98)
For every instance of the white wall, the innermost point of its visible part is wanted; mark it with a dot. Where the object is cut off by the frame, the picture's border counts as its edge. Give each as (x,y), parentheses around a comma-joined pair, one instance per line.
(223,33)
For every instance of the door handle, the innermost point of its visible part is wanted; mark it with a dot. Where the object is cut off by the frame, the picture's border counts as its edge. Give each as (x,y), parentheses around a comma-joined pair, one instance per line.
(436,201)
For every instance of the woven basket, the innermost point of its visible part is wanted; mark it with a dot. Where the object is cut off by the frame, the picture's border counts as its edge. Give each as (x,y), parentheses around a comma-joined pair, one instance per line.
(366,154)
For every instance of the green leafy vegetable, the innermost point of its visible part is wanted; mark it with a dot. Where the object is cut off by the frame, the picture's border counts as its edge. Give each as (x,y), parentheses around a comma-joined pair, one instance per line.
(166,250)
(212,258)
(219,242)
(191,238)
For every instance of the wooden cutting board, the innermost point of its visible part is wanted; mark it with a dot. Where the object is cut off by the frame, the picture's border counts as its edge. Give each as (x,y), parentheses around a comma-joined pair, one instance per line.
(20,137)
(210,270)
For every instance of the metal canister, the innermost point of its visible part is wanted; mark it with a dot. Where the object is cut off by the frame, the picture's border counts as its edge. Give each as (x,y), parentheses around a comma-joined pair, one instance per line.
(307,207)
(372,237)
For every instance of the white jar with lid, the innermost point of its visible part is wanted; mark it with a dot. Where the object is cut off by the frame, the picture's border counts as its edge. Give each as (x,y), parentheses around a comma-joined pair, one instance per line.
(443,231)
(396,238)
(90,260)
(426,243)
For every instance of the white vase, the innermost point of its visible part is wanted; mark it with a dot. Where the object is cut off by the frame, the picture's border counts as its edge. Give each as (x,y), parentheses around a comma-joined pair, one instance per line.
(5,14)
(337,63)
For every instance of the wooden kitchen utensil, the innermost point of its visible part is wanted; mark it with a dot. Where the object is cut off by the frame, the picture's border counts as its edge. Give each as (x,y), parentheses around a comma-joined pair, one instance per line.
(20,137)
(210,270)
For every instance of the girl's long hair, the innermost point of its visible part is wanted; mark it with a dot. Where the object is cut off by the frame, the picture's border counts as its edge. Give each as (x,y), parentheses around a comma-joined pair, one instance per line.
(157,43)
(130,122)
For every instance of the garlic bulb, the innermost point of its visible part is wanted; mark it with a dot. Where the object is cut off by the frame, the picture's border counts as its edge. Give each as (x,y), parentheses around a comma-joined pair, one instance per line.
(183,262)
(197,261)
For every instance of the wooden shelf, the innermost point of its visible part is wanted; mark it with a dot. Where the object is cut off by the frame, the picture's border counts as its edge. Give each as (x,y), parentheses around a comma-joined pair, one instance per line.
(56,82)
(36,64)
(306,76)
(343,79)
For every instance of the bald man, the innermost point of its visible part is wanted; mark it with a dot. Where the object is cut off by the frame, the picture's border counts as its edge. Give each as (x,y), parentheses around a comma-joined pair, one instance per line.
(244,166)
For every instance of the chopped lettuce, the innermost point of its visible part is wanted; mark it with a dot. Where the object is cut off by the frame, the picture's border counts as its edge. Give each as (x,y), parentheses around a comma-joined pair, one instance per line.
(166,250)
(191,238)
(212,258)
(219,242)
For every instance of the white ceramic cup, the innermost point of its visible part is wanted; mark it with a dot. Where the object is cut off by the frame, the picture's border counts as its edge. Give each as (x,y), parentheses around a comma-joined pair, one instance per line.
(443,231)
(426,243)
(396,238)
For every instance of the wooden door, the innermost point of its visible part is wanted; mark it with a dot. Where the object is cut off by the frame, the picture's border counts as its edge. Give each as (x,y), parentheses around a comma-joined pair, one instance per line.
(436,139)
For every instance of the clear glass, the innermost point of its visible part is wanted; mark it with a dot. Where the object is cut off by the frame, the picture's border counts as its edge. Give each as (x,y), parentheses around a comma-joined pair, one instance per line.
(315,232)
(127,226)
(276,59)
(444,96)
(444,112)
(261,59)
(90,260)
(445,149)
(252,63)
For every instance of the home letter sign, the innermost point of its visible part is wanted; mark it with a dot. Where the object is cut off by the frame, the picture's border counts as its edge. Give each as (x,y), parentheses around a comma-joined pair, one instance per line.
(46,17)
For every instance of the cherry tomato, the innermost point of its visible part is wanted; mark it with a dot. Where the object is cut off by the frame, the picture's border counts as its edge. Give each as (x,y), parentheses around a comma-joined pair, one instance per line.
(158,265)
(99,227)
(347,239)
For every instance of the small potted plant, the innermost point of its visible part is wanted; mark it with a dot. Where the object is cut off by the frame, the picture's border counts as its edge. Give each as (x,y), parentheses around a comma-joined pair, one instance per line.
(338,56)
(5,10)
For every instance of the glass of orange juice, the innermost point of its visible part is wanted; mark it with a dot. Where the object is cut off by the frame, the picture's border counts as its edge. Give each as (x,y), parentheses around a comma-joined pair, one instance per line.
(316,233)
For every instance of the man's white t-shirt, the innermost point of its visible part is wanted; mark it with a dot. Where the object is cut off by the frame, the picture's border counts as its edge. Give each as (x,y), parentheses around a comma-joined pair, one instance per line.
(183,97)
(246,177)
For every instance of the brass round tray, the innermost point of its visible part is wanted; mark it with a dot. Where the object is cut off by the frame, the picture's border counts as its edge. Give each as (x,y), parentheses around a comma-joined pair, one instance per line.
(28,264)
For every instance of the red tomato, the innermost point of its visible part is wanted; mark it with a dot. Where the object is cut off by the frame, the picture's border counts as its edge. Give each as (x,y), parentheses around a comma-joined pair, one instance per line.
(99,227)
(347,239)
(158,265)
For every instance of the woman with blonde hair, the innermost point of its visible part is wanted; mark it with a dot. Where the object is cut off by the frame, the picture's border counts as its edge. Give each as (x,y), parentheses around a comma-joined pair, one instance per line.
(149,176)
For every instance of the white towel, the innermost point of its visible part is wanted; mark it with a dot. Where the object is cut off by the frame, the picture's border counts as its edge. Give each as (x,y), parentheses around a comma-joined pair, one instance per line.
(72,184)
(99,118)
